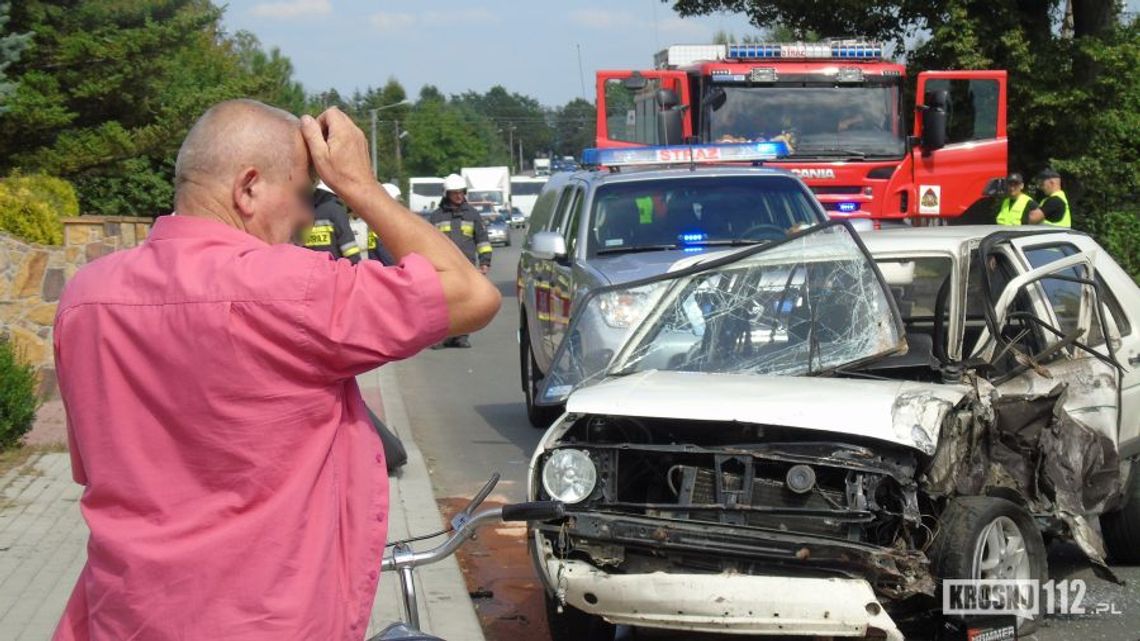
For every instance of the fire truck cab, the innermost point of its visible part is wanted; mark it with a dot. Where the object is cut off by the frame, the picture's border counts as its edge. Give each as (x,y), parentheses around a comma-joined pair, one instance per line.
(838,106)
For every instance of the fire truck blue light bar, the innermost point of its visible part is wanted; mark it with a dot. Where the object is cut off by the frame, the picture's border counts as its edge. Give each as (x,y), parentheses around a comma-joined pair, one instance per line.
(685,154)
(839,51)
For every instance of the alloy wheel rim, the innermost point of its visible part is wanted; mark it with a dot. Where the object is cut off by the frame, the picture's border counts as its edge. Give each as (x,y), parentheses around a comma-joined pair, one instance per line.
(1000,552)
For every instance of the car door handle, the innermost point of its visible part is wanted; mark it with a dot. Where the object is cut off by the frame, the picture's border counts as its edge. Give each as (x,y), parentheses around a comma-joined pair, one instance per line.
(1134,359)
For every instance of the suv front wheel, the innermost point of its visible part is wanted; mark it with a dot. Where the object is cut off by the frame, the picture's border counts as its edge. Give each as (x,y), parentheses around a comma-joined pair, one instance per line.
(540,416)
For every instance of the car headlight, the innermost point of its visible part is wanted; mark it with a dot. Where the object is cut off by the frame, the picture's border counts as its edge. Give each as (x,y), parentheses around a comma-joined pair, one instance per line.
(569,476)
(622,309)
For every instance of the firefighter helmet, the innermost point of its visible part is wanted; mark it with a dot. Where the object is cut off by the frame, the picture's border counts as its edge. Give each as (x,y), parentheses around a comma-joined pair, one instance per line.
(455,182)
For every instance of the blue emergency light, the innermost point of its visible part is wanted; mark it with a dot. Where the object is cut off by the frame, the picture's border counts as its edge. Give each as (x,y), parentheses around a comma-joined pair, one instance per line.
(848,208)
(685,154)
(821,50)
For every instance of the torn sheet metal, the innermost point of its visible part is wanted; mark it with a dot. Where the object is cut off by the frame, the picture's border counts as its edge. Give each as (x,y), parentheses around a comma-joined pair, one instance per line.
(1032,445)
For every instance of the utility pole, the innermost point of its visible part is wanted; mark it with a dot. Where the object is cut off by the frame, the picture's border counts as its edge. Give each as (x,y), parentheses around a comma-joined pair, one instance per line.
(375,170)
(399,156)
(372,115)
(511,142)
(521,168)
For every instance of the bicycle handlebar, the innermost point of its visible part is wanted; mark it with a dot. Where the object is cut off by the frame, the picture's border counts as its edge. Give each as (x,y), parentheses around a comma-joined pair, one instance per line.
(403,556)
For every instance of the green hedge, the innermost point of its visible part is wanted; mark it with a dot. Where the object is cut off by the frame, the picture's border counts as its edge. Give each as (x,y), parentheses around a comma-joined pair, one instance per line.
(31,207)
(18,399)
(1119,233)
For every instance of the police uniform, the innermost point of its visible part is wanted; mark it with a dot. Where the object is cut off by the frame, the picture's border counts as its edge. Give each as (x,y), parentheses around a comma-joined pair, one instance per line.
(331,231)
(464,226)
(1056,209)
(1015,210)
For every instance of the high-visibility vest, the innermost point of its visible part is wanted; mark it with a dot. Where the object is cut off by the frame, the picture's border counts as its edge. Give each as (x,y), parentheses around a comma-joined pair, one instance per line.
(1067,219)
(1012,210)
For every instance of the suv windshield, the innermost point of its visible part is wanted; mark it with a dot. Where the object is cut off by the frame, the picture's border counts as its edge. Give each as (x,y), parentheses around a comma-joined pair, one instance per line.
(816,121)
(811,304)
(698,210)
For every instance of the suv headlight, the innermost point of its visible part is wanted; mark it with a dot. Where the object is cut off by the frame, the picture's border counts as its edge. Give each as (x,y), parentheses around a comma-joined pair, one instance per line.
(569,476)
(622,309)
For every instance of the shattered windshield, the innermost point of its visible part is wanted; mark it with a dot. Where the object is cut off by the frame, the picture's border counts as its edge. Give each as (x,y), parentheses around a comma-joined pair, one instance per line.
(805,306)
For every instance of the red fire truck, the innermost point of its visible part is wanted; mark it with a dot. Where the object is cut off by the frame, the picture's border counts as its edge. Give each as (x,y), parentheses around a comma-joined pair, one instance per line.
(838,106)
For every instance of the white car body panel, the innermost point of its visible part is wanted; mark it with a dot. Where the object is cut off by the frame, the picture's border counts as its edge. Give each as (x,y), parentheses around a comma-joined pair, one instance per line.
(901,412)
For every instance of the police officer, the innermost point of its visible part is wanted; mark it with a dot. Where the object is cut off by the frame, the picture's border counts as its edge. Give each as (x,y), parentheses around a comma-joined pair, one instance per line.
(331,231)
(1017,208)
(1055,206)
(459,221)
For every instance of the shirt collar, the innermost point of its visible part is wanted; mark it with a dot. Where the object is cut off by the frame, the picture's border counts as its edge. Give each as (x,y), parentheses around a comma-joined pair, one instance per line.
(172,227)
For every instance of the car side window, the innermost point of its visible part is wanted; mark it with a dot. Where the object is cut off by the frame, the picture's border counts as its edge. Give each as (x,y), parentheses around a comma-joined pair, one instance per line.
(559,218)
(1064,296)
(544,209)
(570,228)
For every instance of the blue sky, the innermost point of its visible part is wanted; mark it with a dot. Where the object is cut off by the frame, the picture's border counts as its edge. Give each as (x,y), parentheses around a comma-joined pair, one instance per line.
(526,46)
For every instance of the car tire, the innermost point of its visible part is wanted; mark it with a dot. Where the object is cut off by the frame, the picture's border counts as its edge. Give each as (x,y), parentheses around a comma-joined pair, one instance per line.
(540,416)
(1121,528)
(573,624)
(970,527)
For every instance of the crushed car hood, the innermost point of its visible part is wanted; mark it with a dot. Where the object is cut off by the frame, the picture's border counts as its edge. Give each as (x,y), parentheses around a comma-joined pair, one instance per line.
(900,412)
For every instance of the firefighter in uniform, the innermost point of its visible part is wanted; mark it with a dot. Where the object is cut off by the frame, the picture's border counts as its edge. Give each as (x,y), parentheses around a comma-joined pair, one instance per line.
(331,231)
(464,226)
(1055,206)
(1017,208)
(367,239)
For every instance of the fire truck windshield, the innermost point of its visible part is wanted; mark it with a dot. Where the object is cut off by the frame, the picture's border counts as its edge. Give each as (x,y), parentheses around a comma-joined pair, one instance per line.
(815,121)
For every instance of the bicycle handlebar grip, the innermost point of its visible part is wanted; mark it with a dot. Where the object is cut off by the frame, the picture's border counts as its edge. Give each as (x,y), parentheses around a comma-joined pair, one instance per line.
(534,511)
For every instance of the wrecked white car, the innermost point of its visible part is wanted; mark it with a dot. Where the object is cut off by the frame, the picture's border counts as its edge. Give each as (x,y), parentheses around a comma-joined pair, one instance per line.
(804,438)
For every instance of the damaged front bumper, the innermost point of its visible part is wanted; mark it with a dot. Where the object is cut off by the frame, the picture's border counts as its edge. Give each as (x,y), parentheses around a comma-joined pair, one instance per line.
(724,603)
(642,542)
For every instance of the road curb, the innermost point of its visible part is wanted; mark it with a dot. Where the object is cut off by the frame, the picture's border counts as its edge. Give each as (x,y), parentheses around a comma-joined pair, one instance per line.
(446,609)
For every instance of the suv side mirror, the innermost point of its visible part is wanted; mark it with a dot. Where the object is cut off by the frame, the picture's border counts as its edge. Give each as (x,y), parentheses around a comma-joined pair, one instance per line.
(934,117)
(548,245)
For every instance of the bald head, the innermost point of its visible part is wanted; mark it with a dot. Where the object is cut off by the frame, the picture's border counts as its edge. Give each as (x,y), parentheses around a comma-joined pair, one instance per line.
(234,135)
(246,164)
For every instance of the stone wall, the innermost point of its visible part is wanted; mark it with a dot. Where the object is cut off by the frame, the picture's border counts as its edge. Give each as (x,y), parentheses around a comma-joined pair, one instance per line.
(32,278)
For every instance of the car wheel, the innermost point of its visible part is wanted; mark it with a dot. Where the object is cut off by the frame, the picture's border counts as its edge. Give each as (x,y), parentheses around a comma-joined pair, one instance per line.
(1122,528)
(540,416)
(985,537)
(572,624)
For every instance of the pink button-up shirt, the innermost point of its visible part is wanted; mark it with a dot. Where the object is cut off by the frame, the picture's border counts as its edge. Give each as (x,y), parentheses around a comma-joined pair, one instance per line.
(235,488)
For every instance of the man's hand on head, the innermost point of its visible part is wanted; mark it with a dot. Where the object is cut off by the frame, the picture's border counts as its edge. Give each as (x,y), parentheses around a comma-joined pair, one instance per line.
(340,153)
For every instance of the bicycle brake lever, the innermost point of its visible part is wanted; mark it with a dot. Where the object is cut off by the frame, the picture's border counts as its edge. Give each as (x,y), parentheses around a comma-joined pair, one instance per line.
(462,517)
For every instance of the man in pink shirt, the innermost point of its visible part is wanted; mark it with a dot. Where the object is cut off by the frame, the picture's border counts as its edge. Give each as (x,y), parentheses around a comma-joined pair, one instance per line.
(235,488)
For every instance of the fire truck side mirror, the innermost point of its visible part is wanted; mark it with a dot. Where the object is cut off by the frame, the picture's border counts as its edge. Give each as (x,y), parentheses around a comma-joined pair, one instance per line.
(667,99)
(635,82)
(670,117)
(934,118)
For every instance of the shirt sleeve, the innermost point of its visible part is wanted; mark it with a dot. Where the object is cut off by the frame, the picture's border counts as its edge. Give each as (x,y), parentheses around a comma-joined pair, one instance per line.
(1053,209)
(358,317)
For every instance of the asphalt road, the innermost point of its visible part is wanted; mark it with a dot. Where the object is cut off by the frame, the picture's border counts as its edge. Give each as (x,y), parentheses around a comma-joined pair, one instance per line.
(469,420)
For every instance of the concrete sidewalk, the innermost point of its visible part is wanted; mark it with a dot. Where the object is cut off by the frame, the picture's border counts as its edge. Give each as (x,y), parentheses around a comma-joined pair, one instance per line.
(43,541)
